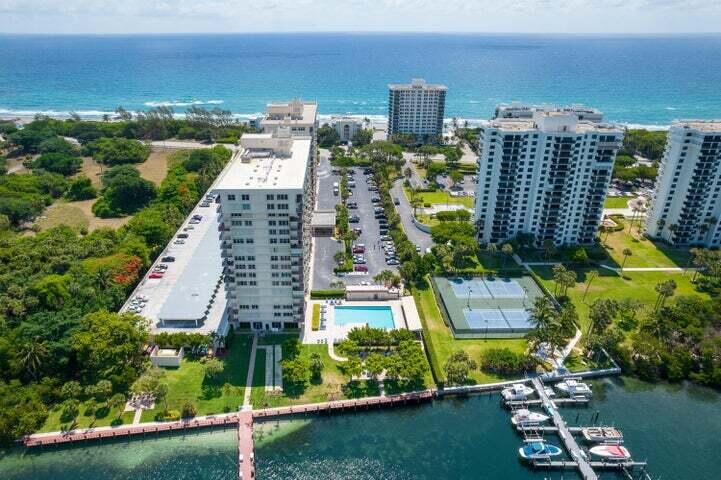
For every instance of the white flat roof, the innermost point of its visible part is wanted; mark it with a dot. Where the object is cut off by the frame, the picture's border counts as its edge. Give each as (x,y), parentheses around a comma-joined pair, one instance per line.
(410,313)
(265,170)
(183,295)
(707,126)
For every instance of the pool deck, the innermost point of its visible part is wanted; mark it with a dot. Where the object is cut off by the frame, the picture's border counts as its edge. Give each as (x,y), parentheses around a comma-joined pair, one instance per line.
(335,332)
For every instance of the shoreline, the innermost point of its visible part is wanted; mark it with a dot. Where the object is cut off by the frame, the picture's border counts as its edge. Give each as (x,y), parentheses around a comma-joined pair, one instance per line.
(26,116)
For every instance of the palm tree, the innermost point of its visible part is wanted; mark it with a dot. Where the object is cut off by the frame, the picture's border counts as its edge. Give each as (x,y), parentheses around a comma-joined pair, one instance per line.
(542,314)
(626,253)
(665,290)
(590,277)
(548,248)
(507,250)
(32,356)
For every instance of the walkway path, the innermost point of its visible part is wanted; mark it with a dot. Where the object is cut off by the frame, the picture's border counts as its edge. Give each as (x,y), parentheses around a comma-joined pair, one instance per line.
(246,445)
(332,354)
(251,369)
(137,416)
(648,269)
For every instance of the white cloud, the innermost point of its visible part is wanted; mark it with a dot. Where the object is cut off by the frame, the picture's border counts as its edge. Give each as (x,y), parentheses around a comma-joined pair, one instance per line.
(563,16)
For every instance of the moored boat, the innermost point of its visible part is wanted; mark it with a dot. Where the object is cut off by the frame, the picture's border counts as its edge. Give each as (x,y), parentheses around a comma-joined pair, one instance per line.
(516,392)
(574,388)
(611,452)
(525,417)
(537,450)
(607,435)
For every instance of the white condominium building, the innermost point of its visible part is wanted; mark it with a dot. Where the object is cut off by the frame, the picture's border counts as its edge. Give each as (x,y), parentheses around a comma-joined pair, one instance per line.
(546,176)
(522,110)
(416,108)
(300,117)
(347,127)
(685,209)
(266,201)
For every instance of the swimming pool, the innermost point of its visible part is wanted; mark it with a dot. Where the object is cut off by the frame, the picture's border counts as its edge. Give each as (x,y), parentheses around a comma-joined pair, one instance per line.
(376,317)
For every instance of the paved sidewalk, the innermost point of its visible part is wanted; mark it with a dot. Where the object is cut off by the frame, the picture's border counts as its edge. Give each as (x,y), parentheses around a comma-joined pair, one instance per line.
(251,369)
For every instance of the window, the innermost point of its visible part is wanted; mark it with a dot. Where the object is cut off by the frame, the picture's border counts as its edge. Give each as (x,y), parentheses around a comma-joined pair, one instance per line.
(231,198)
(245,197)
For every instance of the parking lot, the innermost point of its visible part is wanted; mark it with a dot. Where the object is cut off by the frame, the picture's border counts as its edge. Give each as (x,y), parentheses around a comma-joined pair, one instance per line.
(325,247)
(370,231)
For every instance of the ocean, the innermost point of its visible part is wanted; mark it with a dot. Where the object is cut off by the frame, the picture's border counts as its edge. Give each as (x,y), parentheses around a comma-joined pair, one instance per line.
(649,80)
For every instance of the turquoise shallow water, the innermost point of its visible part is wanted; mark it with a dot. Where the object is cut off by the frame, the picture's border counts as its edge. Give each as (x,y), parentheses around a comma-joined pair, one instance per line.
(376,317)
(674,428)
(639,79)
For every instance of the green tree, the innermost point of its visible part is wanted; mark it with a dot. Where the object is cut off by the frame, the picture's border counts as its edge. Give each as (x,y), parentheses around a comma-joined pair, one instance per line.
(117,151)
(109,346)
(189,410)
(316,367)
(62,163)
(375,364)
(81,188)
(327,136)
(458,366)
(213,368)
(362,137)
(542,314)
(601,314)
(352,368)
(71,389)
(32,356)
(117,401)
(665,290)
(591,275)
(626,253)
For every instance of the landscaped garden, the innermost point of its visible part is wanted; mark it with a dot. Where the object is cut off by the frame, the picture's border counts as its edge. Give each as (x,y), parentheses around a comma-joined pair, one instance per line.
(209,387)
(440,197)
(645,252)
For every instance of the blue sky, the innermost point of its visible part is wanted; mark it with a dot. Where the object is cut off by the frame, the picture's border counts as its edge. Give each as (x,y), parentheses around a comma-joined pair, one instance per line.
(542,16)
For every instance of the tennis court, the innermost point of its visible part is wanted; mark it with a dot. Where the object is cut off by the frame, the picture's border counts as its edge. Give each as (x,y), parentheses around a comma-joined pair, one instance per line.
(465,288)
(486,288)
(476,307)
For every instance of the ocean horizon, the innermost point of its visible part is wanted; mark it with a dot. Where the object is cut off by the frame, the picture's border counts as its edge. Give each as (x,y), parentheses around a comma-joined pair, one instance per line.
(638,80)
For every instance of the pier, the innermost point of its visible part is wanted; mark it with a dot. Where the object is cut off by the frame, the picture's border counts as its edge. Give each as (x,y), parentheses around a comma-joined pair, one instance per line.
(246,445)
(579,456)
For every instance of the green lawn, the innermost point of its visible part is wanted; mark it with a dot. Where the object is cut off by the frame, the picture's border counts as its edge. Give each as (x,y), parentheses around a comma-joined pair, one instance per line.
(443,342)
(333,384)
(646,253)
(638,285)
(441,197)
(188,383)
(616,202)
(104,418)
(429,220)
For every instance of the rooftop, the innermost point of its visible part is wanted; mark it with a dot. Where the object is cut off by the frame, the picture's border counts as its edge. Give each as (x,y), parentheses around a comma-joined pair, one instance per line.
(267,161)
(189,295)
(710,126)
(515,107)
(323,218)
(292,112)
(552,121)
(417,83)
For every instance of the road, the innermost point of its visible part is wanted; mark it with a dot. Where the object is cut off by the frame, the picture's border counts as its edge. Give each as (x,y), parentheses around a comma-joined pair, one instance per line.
(405,211)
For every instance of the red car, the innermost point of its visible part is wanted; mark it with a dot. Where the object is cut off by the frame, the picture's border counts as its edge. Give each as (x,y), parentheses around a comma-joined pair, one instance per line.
(360,268)
(359,249)
(155,275)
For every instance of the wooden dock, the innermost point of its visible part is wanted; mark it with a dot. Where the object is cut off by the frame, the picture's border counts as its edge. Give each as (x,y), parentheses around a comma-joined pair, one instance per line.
(345,405)
(246,446)
(577,401)
(579,456)
(228,419)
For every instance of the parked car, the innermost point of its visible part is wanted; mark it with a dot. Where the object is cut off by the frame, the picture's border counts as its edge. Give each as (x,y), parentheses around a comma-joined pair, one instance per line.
(386,238)
(359,250)
(354,219)
(183,235)
(357,261)
(155,275)
(376,199)
(382,221)
(396,201)
(351,184)
(352,205)
(168,258)
(357,231)
(188,228)
(392,261)
(360,268)
(418,248)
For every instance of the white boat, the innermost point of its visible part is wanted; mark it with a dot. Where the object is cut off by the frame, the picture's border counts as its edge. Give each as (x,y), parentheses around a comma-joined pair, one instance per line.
(525,417)
(611,452)
(516,392)
(574,388)
(607,435)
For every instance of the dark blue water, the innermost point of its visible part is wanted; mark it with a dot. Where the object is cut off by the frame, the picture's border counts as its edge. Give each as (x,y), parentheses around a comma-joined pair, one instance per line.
(649,80)
(675,428)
